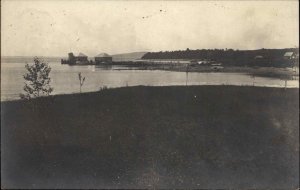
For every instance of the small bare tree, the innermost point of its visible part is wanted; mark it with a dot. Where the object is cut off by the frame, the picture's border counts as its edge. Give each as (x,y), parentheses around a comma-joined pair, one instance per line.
(81,80)
(37,80)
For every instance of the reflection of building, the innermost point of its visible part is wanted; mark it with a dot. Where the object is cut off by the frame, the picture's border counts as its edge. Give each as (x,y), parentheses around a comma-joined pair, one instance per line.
(103,58)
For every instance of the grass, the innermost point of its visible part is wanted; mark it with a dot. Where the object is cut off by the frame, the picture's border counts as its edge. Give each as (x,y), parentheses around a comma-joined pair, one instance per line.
(153,137)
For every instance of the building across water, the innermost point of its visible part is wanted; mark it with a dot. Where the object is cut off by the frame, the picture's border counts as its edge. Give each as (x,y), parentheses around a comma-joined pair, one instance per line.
(103,58)
(82,59)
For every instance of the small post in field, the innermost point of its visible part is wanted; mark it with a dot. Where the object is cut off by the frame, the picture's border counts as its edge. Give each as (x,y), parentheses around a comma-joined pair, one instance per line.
(81,80)
(187,74)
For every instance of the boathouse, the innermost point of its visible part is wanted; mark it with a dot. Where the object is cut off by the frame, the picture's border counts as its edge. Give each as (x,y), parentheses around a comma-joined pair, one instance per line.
(103,58)
(81,59)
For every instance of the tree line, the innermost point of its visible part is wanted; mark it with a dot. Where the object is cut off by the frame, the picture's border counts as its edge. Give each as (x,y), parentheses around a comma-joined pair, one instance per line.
(271,57)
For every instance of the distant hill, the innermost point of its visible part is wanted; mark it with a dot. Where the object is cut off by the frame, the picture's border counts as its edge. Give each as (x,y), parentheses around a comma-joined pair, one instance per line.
(28,59)
(128,56)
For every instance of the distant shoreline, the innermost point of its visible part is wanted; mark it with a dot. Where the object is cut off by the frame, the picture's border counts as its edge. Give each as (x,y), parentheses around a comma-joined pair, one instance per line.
(273,72)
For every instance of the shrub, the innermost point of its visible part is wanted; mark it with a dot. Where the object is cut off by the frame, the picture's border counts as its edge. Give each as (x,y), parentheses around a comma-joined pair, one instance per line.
(37,80)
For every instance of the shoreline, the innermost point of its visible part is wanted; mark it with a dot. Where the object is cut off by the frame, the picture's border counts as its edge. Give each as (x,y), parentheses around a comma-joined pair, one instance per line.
(272,72)
(4,100)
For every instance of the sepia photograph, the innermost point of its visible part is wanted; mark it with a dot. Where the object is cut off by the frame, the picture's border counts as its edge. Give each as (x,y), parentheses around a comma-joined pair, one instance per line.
(164,94)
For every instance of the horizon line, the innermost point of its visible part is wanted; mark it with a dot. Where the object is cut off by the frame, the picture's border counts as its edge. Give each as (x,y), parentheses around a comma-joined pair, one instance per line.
(154,51)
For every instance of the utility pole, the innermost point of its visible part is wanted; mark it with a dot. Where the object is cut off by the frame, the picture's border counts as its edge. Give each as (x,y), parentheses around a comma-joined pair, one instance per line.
(285,83)
(187,74)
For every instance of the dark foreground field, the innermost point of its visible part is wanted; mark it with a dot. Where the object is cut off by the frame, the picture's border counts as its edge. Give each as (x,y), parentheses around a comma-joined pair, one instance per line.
(153,137)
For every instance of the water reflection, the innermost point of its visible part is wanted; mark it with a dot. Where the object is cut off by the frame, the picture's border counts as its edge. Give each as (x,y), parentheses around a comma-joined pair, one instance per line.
(65,78)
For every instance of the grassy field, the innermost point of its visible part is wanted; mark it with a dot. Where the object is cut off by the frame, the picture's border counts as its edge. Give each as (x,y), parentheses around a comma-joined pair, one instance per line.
(153,137)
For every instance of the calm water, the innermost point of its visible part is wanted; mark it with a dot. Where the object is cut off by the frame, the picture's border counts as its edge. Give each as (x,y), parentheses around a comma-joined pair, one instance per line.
(65,79)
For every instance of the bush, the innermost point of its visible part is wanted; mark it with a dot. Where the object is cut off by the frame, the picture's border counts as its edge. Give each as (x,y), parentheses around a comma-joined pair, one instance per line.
(37,80)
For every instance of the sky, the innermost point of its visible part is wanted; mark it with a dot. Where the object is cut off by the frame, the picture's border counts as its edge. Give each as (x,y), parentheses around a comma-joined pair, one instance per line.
(55,28)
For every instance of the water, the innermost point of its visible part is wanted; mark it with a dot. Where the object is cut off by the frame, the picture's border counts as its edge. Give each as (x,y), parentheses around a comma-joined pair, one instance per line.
(65,79)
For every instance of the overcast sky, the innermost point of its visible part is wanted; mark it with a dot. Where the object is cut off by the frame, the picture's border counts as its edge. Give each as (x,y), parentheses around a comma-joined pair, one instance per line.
(54,28)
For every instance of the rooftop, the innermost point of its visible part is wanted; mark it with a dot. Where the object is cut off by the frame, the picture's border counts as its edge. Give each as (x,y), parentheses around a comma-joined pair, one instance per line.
(81,55)
(288,54)
(103,55)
